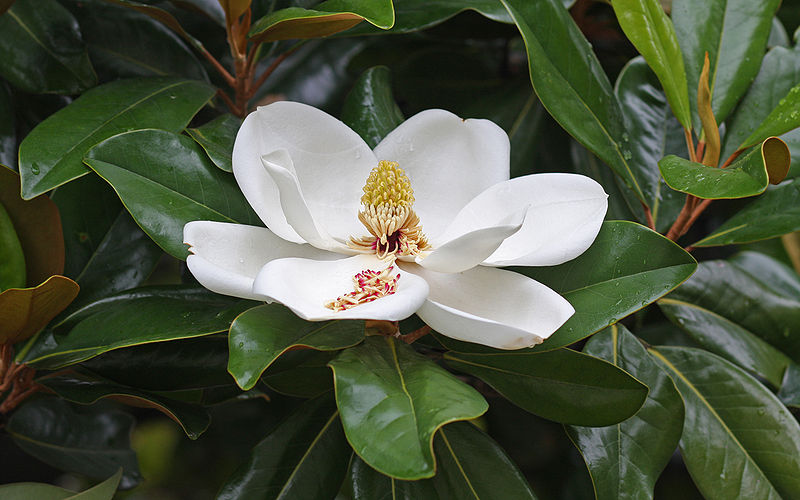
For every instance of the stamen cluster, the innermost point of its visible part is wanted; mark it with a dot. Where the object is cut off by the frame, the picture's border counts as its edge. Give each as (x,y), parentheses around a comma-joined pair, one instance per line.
(369,285)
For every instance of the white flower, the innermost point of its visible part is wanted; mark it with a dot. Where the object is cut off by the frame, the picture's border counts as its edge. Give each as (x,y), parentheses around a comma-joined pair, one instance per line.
(442,180)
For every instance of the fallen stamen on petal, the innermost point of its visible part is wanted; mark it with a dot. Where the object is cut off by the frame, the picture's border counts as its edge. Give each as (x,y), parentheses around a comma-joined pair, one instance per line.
(368,285)
(394,226)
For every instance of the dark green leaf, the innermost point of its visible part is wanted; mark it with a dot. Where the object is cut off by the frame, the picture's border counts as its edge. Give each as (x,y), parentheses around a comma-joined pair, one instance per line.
(627,267)
(630,456)
(773,273)
(369,484)
(653,133)
(771,94)
(171,366)
(103,491)
(133,322)
(166,180)
(415,15)
(727,339)
(392,400)
(572,85)
(86,390)
(163,17)
(778,35)
(747,176)
(216,137)
(561,385)
(8,132)
(39,491)
(370,109)
(650,30)
(42,49)
(790,389)
(747,300)
(305,456)
(12,267)
(323,20)
(734,33)
(52,154)
(306,380)
(259,336)
(83,440)
(126,43)
(774,213)
(738,440)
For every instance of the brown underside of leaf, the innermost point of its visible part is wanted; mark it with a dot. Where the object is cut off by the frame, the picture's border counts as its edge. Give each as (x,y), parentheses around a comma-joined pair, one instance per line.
(38,226)
(777,159)
(25,311)
(309,27)
(710,128)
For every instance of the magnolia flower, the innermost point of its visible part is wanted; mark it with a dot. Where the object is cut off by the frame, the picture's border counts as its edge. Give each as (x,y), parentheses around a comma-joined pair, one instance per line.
(419,225)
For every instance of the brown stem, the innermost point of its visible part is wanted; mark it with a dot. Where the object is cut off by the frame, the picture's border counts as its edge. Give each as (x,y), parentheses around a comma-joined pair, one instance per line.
(17,380)
(229,79)
(690,144)
(228,102)
(701,146)
(272,67)
(412,337)
(648,216)
(732,157)
(677,227)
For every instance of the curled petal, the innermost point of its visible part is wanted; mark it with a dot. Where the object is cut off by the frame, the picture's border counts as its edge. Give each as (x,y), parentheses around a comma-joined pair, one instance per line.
(493,307)
(448,160)
(227,257)
(564,214)
(331,163)
(306,285)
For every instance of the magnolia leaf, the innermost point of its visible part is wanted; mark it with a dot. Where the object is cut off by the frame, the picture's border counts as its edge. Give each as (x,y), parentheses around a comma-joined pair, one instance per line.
(25,311)
(234,8)
(710,128)
(325,19)
(392,400)
(774,213)
(42,491)
(561,385)
(163,17)
(216,138)
(369,108)
(747,176)
(630,455)
(38,226)
(650,30)
(260,335)
(369,484)
(738,439)
(12,267)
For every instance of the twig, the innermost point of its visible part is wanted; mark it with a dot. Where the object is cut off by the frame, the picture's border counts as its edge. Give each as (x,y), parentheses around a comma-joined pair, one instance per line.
(648,216)
(412,337)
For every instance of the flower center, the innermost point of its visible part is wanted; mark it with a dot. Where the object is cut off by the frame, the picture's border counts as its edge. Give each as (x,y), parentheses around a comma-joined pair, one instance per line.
(394,228)
(368,285)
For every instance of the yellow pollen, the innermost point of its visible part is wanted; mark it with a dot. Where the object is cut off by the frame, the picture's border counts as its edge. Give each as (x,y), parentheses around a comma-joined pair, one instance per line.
(388,184)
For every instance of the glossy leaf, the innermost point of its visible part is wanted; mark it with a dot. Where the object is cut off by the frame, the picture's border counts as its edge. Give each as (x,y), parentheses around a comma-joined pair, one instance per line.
(103,491)
(52,154)
(710,130)
(734,33)
(562,385)
(747,176)
(650,30)
(370,108)
(12,267)
(727,339)
(171,366)
(260,335)
(234,8)
(369,484)
(473,465)
(308,379)
(40,491)
(654,133)
(767,107)
(630,455)
(86,390)
(305,456)
(163,17)
(38,227)
(132,322)
(777,276)
(83,440)
(216,138)
(8,129)
(627,267)
(774,213)
(392,400)
(88,208)
(738,439)
(790,389)
(572,85)
(415,15)
(326,18)
(42,49)
(125,43)
(747,300)
(166,180)
(25,311)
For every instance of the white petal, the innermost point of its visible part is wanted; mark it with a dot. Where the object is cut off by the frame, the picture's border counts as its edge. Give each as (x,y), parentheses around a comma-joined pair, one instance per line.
(565,212)
(493,307)
(293,202)
(470,249)
(227,257)
(448,160)
(331,162)
(305,285)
